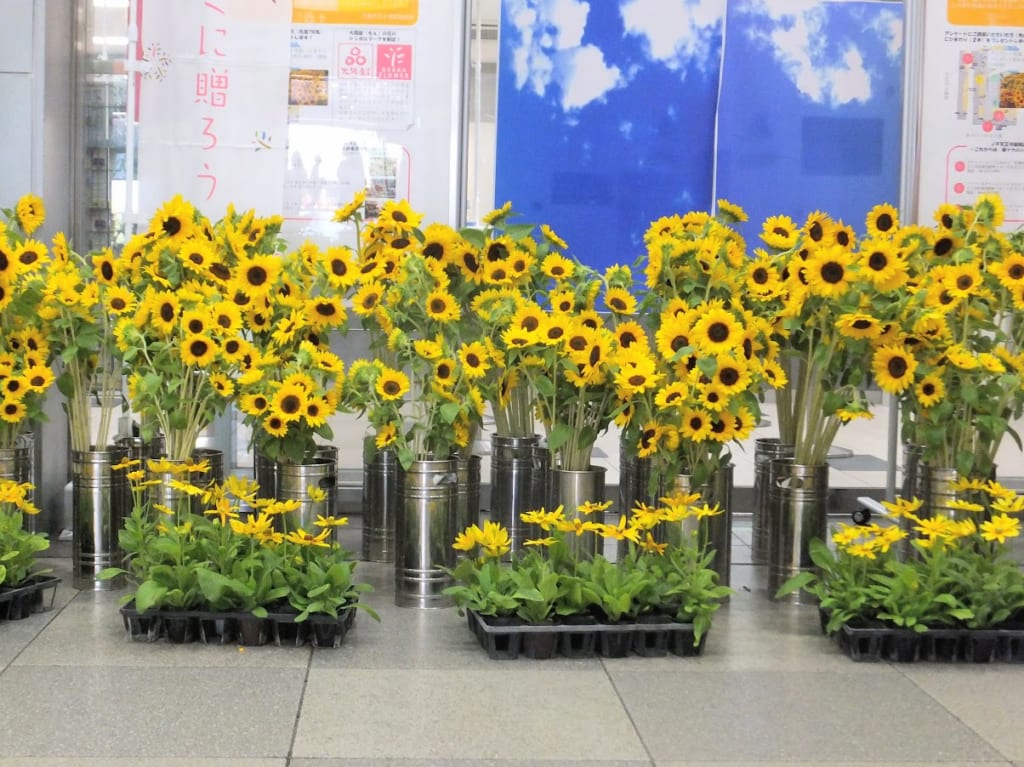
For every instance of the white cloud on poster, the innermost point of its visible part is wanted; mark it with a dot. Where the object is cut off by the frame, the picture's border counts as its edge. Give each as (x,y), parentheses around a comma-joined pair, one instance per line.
(795,30)
(678,33)
(548,51)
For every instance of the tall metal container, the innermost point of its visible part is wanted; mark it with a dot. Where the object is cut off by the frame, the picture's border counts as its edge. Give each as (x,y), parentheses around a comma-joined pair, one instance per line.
(572,489)
(16,465)
(467,492)
(767,450)
(100,500)
(634,487)
(293,483)
(424,533)
(800,493)
(714,531)
(516,485)
(381,478)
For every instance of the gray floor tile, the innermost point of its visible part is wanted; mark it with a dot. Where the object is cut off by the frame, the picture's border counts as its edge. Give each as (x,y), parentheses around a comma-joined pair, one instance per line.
(985,698)
(343,762)
(156,712)
(90,632)
(137,762)
(872,763)
(792,716)
(546,713)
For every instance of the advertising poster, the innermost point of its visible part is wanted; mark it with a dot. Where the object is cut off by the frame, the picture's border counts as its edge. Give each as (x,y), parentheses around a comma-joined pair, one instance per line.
(213,81)
(351,81)
(972,140)
(810,117)
(606,116)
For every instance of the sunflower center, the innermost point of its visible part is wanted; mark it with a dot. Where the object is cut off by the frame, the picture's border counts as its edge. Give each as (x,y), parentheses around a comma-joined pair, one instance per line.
(195,326)
(877,261)
(781,231)
(400,243)
(260,402)
(718,332)
(928,388)
(326,309)
(897,367)
(118,304)
(4,261)
(392,388)
(530,323)
(759,276)
(964,281)
(627,339)
(884,222)
(172,226)
(729,376)
(167,312)
(473,360)
(199,347)
(577,343)
(399,216)
(444,370)
(498,275)
(433,250)
(647,437)
(618,304)
(843,238)
(339,268)
(232,346)
(861,324)
(1015,272)
(555,333)
(469,259)
(28,257)
(220,271)
(256,275)
(672,397)
(369,301)
(833,272)
(816,231)
(195,258)
(942,246)
(497,251)
(679,342)
(946,221)
(595,356)
(718,427)
(696,422)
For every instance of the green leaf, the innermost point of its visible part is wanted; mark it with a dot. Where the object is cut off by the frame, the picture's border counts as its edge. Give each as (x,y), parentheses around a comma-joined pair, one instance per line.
(149,595)
(559,435)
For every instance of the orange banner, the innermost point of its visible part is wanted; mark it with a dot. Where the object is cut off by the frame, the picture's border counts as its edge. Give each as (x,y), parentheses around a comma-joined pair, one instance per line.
(986,13)
(390,12)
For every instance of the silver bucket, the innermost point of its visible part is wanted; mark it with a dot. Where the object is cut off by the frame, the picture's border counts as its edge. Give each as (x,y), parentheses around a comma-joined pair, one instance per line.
(572,489)
(16,465)
(800,493)
(938,493)
(100,499)
(634,486)
(264,471)
(767,450)
(912,487)
(215,474)
(381,478)
(714,532)
(424,533)
(542,489)
(139,450)
(163,494)
(515,485)
(467,492)
(293,483)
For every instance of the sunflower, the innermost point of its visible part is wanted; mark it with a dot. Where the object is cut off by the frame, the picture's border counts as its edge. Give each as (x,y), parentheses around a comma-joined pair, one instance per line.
(930,390)
(29,255)
(391,384)
(882,221)
(636,374)
(173,222)
(12,411)
(717,331)
(528,317)
(894,368)
(731,373)
(713,397)
(367,297)
(119,300)
(828,271)
(289,402)
(672,336)
(195,321)
(557,266)
(650,436)
(695,425)
(882,263)
(858,325)
(103,266)
(762,279)
(517,338)
(316,412)
(469,261)
(30,213)
(672,395)
(620,301)
(198,350)
(629,334)
(1009,271)
(779,232)
(398,214)
(817,227)
(347,211)
(439,243)
(221,384)
(163,308)
(258,274)
(723,428)
(962,280)
(475,360)
(254,404)
(554,328)
(444,372)
(441,306)
(275,425)
(386,435)
(38,378)
(325,312)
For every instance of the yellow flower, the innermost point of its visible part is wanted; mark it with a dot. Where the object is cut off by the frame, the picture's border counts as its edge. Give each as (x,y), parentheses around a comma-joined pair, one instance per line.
(322,521)
(1000,527)
(779,232)
(346,212)
(475,359)
(893,367)
(620,301)
(882,221)
(442,307)
(591,507)
(30,213)
(392,384)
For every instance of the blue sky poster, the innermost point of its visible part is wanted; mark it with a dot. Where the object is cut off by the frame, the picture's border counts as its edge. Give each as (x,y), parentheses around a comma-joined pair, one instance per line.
(606,116)
(810,111)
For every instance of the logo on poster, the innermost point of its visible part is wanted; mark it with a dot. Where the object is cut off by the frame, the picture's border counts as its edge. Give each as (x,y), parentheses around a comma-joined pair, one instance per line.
(394,62)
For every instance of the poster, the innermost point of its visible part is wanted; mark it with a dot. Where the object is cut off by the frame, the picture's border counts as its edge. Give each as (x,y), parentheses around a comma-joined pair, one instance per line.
(810,117)
(972,141)
(613,114)
(606,115)
(211,98)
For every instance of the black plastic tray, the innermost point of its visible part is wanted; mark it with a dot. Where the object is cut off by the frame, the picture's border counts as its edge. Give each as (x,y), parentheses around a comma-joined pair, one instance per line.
(29,597)
(939,645)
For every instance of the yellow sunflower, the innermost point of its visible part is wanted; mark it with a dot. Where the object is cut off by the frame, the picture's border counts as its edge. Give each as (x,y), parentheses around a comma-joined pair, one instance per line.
(779,232)
(731,373)
(275,425)
(444,372)
(695,425)
(12,411)
(894,368)
(636,374)
(882,221)
(391,384)
(38,378)
(386,435)
(163,308)
(858,325)
(930,390)
(620,301)
(441,306)
(365,301)
(475,360)
(672,395)
(258,274)
(828,271)
(717,330)
(199,350)
(30,213)
(289,402)
(254,404)
(174,222)
(325,312)
(557,266)
(650,435)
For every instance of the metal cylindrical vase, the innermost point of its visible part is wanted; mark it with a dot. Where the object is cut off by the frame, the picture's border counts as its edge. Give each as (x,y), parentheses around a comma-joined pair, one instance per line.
(381,478)
(938,493)
(16,465)
(100,499)
(424,532)
(767,450)
(214,474)
(714,531)
(515,485)
(801,498)
(264,471)
(911,487)
(573,489)
(634,486)
(293,483)
(467,492)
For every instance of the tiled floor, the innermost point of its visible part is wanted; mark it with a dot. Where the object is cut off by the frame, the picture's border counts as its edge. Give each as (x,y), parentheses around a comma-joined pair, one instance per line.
(416,689)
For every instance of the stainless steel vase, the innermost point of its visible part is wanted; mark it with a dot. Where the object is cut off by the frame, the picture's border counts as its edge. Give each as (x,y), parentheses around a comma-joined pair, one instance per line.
(381,477)
(767,450)
(800,493)
(424,533)
(573,489)
(715,531)
(293,483)
(518,485)
(100,499)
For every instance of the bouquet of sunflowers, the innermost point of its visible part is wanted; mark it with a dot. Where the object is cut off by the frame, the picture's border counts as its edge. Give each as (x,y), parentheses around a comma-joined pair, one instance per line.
(25,374)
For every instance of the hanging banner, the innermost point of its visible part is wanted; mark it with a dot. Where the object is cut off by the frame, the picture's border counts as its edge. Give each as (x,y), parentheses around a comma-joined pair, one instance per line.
(212,103)
(972,141)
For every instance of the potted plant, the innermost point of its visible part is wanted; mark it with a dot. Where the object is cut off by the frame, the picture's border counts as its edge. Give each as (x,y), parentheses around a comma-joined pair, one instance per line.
(20,586)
